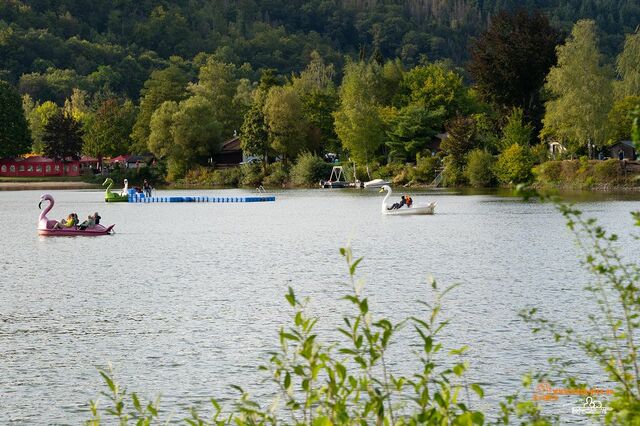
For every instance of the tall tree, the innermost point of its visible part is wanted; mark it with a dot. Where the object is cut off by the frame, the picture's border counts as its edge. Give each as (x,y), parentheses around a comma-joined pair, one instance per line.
(460,140)
(107,131)
(15,138)
(161,138)
(319,99)
(38,116)
(286,125)
(435,86)
(628,68)
(218,82)
(621,117)
(62,137)
(168,84)
(76,105)
(580,86)
(185,133)
(254,135)
(196,133)
(516,131)
(509,62)
(410,130)
(357,121)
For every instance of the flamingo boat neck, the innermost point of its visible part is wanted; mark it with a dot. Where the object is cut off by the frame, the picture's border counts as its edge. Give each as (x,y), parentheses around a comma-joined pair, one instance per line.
(416,209)
(48,227)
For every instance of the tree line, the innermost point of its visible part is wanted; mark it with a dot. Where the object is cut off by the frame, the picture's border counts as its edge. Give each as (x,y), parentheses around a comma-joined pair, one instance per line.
(530,84)
(48,48)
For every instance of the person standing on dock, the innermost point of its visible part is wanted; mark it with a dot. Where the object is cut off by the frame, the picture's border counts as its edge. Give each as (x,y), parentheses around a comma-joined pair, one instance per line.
(146,187)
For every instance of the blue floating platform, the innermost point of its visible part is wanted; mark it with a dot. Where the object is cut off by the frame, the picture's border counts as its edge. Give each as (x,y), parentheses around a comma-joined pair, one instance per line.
(137,198)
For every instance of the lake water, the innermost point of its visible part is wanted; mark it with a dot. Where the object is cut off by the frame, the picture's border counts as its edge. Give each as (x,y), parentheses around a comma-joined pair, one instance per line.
(186,299)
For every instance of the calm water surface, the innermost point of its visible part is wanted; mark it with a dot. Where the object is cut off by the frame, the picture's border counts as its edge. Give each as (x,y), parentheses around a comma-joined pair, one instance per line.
(186,299)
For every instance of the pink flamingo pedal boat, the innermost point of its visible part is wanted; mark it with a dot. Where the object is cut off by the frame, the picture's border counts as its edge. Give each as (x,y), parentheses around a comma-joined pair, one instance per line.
(46,226)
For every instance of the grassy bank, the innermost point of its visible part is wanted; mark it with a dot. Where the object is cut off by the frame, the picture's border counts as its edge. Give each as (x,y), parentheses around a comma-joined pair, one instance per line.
(594,175)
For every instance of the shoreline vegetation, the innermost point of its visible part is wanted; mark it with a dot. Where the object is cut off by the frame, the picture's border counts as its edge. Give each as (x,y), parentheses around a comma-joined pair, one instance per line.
(520,103)
(567,175)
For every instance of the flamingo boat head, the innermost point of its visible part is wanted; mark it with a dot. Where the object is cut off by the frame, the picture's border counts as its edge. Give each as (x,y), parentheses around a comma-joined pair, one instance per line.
(43,221)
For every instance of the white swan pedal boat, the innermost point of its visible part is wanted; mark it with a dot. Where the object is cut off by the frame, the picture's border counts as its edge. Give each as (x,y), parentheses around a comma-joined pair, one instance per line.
(415,209)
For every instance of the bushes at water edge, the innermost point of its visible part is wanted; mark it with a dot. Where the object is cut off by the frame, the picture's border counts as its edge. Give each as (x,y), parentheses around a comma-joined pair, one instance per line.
(582,174)
(309,170)
(479,170)
(514,165)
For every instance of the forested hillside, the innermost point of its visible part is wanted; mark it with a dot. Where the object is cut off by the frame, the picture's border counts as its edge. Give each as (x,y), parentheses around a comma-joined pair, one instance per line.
(49,47)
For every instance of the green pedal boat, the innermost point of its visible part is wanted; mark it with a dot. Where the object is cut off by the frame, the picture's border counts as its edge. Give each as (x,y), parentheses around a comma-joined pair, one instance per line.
(112,197)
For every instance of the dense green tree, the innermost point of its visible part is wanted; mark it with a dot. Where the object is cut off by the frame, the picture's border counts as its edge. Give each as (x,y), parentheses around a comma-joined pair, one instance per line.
(107,131)
(319,99)
(357,121)
(580,86)
(15,138)
(435,86)
(509,62)
(628,68)
(410,130)
(621,118)
(461,138)
(168,84)
(254,135)
(185,133)
(516,131)
(461,132)
(479,169)
(316,77)
(285,123)
(196,134)
(161,138)
(38,116)
(54,85)
(62,138)
(514,165)
(218,82)
(77,105)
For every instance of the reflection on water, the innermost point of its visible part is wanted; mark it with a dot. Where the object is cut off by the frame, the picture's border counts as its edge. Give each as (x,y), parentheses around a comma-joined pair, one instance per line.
(186,299)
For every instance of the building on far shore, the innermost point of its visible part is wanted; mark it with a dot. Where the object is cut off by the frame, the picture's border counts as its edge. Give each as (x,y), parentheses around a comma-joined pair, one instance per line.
(230,153)
(622,150)
(38,166)
(131,161)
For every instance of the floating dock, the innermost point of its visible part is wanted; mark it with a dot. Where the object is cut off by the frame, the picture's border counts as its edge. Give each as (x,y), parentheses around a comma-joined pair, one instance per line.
(252,199)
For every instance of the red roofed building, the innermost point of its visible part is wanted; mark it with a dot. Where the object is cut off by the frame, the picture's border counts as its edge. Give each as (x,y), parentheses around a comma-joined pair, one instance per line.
(122,159)
(38,166)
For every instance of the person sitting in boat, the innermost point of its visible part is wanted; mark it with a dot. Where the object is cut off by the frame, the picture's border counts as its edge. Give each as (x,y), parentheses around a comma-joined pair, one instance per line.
(70,221)
(398,205)
(91,221)
(408,200)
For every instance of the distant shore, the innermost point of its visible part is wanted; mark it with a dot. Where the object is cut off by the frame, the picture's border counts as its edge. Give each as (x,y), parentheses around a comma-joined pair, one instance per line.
(16,186)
